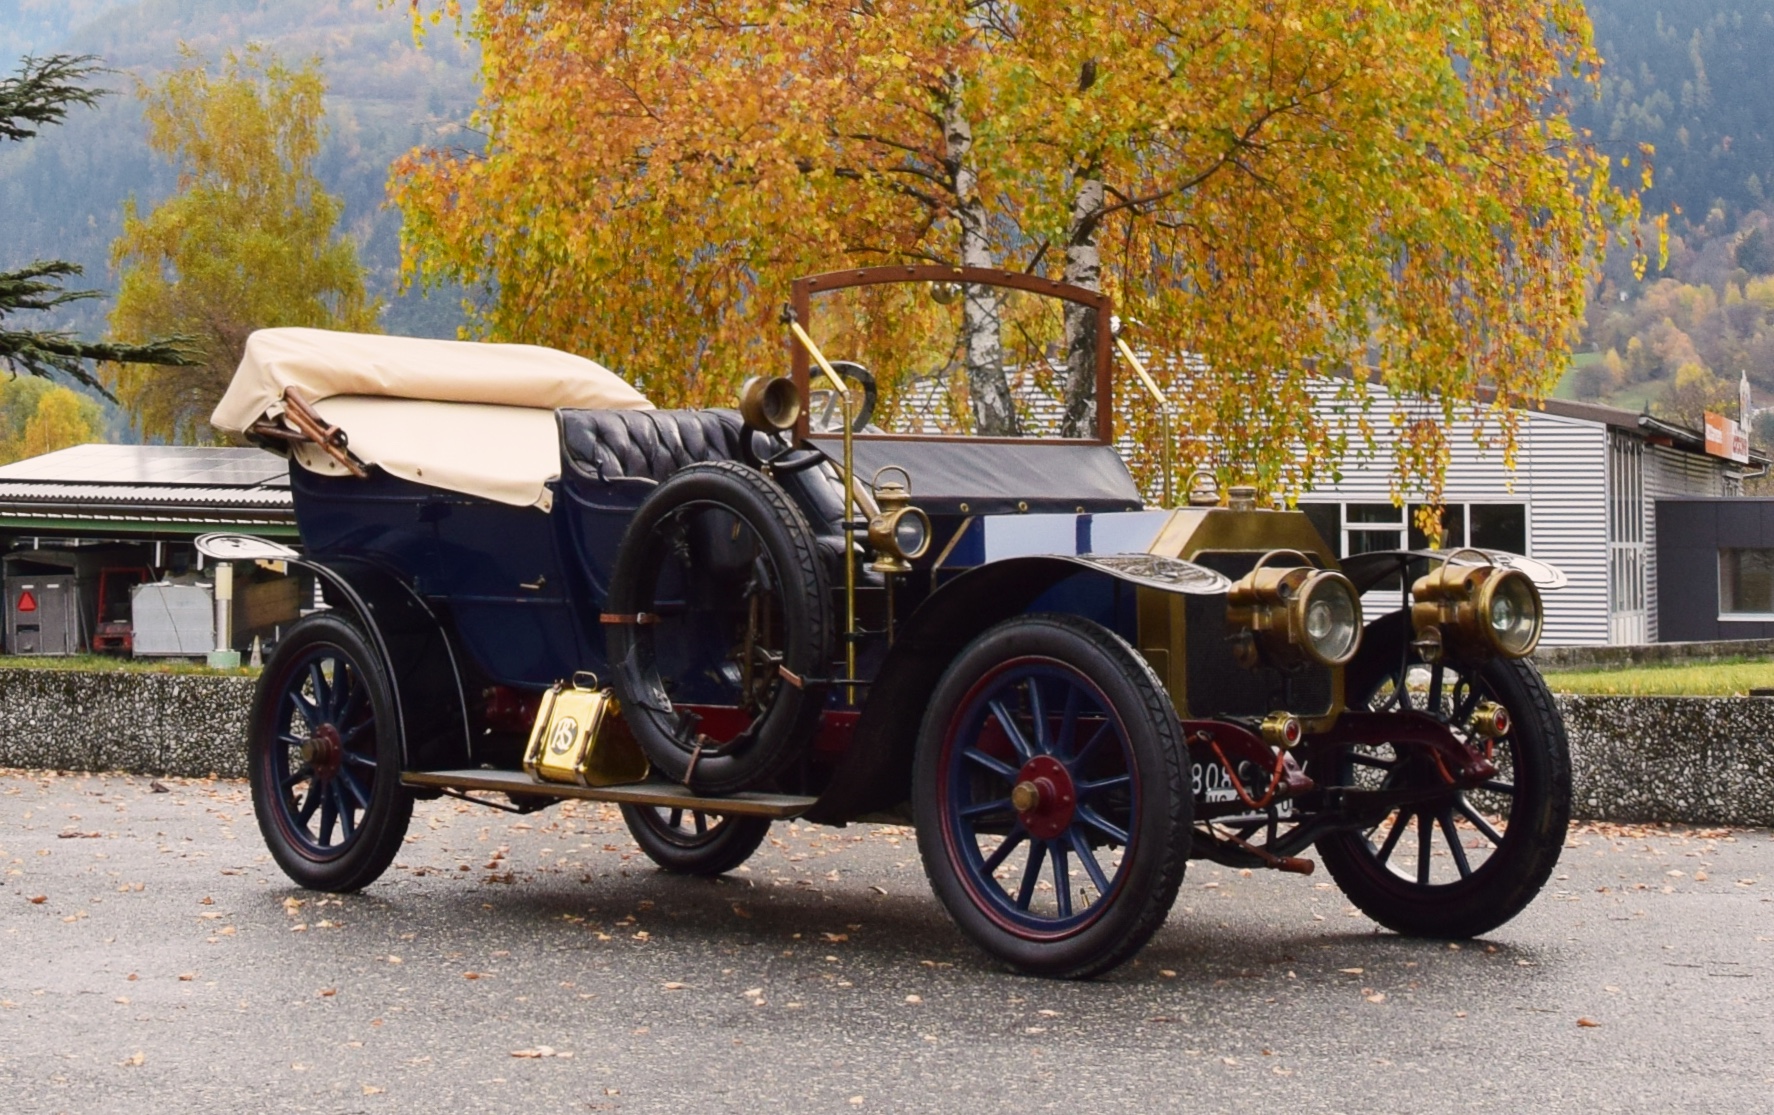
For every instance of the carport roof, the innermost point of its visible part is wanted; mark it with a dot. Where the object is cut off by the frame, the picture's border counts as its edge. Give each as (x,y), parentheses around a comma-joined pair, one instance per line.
(147,490)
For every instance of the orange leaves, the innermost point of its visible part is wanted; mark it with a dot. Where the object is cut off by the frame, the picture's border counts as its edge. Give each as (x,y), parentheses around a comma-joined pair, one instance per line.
(1290,189)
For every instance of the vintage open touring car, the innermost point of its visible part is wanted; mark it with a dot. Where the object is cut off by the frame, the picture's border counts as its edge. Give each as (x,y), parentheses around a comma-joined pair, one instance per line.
(539,586)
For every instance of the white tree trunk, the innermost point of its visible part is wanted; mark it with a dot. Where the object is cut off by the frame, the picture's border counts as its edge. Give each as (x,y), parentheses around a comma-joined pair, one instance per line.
(993,413)
(1084,267)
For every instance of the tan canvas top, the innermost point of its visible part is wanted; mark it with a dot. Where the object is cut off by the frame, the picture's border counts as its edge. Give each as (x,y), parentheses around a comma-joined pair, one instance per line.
(474,418)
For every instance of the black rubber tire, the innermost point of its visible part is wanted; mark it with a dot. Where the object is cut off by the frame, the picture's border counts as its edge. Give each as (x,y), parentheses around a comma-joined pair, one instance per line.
(782,732)
(363,854)
(1516,870)
(726,844)
(1155,856)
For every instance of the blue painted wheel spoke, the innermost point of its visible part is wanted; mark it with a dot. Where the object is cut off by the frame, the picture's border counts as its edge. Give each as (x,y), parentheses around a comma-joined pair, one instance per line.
(344,692)
(1068,723)
(1062,882)
(987,808)
(1008,723)
(1085,789)
(290,739)
(1452,835)
(1081,848)
(308,712)
(329,812)
(1038,717)
(998,856)
(1477,820)
(1398,826)
(323,696)
(1031,874)
(1106,728)
(1096,821)
(359,759)
(310,802)
(299,775)
(675,819)
(346,827)
(700,820)
(1498,786)
(1425,846)
(996,766)
(350,784)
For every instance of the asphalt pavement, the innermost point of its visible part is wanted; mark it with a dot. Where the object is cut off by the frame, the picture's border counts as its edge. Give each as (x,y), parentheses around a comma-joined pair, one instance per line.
(153,958)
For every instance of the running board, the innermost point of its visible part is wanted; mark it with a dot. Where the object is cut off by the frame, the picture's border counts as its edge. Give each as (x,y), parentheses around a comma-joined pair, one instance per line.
(665,795)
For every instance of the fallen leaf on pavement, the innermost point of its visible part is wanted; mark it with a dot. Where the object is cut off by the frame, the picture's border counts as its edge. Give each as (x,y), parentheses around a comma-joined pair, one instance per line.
(1587,1023)
(135,1059)
(372,1090)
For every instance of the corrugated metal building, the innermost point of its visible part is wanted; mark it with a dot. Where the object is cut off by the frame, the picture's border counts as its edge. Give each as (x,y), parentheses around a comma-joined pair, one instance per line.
(1582,496)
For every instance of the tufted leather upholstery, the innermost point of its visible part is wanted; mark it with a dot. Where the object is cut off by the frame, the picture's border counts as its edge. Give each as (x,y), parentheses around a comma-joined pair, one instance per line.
(646,444)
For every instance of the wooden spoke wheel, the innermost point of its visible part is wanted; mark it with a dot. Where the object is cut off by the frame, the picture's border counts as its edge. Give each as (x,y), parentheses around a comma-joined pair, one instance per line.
(1051,796)
(325,758)
(1467,860)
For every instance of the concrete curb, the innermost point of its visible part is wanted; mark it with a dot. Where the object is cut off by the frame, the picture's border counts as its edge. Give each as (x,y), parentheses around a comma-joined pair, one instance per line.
(1692,760)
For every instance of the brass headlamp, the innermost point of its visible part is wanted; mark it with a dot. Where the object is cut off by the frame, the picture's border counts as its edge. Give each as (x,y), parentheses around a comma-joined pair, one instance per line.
(1477,610)
(898,532)
(1293,614)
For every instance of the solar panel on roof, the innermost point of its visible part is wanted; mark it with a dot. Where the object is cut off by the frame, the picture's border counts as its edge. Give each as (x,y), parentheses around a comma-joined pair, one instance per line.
(160,465)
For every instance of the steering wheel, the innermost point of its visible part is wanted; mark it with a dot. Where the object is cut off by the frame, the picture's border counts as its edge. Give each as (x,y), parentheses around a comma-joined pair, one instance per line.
(850,369)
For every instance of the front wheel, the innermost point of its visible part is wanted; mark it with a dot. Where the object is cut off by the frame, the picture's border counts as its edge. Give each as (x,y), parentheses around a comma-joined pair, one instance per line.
(1051,796)
(691,842)
(324,758)
(1463,862)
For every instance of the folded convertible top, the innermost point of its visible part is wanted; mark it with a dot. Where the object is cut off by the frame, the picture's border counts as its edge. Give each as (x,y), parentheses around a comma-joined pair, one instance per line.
(469,417)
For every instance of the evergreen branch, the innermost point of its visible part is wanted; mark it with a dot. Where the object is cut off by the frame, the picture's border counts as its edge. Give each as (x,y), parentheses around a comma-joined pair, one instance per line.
(43,91)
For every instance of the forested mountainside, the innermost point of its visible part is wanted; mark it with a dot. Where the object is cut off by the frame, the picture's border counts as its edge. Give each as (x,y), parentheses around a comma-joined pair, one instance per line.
(61,193)
(1695,78)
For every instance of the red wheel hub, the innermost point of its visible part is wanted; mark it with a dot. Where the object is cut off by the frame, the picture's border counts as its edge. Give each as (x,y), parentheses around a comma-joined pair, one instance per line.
(324,752)
(1044,797)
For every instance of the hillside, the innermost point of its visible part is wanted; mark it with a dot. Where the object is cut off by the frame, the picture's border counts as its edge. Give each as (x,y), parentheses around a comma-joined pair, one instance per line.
(61,194)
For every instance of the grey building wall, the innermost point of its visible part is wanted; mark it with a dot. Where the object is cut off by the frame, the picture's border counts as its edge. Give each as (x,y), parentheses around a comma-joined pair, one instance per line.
(1559,474)
(1669,473)
(1690,533)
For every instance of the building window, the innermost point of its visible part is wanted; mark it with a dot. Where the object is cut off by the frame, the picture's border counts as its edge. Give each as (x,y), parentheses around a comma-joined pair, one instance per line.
(1453,527)
(1499,526)
(1373,527)
(1363,528)
(1746,584)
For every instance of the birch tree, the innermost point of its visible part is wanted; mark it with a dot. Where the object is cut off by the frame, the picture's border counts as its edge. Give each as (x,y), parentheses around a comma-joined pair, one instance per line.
(1276,189)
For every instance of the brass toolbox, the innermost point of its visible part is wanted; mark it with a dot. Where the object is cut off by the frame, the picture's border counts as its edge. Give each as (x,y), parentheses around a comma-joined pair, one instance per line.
(579,738)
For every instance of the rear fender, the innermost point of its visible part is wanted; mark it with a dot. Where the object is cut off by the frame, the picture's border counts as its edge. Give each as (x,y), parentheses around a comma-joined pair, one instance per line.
(875,774)
(420,663)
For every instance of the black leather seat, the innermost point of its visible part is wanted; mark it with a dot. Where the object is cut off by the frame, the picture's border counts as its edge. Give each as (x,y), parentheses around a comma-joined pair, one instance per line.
(646,444)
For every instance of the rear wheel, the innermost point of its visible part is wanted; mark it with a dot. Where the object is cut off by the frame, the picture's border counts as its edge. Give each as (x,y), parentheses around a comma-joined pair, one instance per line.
(1466,861)
(1051,796)
(691,842)
(324,758)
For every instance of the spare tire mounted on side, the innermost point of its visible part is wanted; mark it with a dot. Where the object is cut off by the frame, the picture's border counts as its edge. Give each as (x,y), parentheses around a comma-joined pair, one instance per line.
(718,600)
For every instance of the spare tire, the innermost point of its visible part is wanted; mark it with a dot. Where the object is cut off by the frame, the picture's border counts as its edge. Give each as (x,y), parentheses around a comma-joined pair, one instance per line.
(718,615)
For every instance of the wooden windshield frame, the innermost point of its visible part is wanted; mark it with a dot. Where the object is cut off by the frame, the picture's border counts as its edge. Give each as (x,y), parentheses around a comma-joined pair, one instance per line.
(802,305)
